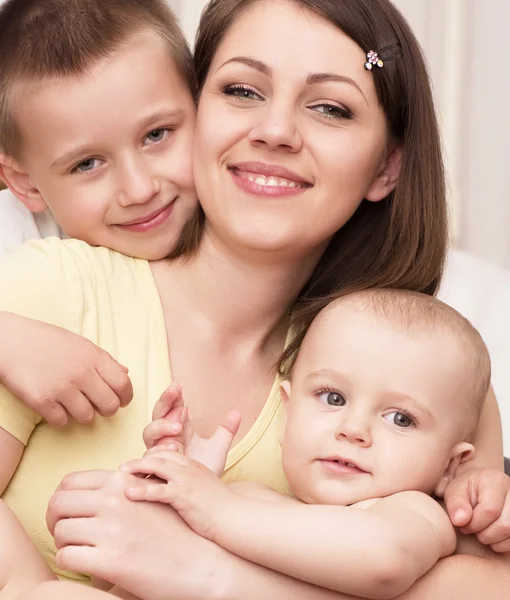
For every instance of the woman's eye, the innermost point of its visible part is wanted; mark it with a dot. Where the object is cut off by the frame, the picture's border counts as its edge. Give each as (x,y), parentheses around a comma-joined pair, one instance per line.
(332,398)
(156,135)
(332,111)
(86,165)
(399,419)
(242,92)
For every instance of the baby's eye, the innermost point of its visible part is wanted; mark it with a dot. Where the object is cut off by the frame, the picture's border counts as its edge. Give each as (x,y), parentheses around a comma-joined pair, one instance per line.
(86,165)
(156,135)
(332,398)
(399,419)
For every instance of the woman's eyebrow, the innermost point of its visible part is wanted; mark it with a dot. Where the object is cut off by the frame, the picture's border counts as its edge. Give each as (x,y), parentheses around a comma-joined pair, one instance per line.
(313,78)
(250,62)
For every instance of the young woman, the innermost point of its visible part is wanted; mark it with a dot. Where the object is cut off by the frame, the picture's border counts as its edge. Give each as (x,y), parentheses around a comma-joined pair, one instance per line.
(315,175)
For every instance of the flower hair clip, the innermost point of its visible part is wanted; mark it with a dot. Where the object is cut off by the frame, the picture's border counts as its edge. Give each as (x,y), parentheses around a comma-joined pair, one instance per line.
(377,59)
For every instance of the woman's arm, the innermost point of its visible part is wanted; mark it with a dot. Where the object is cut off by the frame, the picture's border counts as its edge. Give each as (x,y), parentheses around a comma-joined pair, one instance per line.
(147,549)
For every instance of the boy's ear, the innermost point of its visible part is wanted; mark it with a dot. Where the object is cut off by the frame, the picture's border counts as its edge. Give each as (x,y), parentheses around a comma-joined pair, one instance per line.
(20,184)
(387,178)
(461,453)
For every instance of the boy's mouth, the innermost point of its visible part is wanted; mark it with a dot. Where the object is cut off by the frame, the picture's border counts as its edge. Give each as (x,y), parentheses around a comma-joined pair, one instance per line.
(150,221)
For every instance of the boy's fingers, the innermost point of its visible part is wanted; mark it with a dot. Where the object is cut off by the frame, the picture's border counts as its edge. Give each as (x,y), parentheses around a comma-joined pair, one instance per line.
(54,413)
(79,407)
(116,376)
(103,398)
(457,500)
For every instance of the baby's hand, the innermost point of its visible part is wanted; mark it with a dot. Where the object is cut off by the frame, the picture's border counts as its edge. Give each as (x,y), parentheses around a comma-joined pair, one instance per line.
(169,426)
(59,374)
(171,430)
(197,494)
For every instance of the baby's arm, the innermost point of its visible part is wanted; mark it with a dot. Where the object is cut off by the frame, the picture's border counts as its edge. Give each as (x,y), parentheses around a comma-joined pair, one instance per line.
(377,552)
(21,566)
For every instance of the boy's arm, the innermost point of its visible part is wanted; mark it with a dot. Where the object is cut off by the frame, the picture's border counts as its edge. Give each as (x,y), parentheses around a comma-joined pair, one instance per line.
(21,566)
(375,553)
(58,373)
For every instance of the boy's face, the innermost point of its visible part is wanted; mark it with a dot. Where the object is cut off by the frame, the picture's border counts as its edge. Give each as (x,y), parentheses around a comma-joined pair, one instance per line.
(373,409)
(110,152)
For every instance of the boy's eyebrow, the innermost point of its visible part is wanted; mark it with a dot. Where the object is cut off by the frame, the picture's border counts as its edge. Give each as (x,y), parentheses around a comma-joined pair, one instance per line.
(163,115)
(81,152)
(313,78)
(72,156)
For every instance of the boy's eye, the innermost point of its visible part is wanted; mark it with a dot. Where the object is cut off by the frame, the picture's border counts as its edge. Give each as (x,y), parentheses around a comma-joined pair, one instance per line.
(156,135)
(332,398)
(399,419)
(86,165)
(242,92)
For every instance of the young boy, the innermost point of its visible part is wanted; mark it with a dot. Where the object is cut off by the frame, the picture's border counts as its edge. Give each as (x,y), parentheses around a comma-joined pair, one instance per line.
(381,406)
(97,116)
(97,120)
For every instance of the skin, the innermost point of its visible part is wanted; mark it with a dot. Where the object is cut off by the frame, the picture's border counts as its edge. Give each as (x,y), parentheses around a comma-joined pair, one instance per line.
(99,169)
(242,321)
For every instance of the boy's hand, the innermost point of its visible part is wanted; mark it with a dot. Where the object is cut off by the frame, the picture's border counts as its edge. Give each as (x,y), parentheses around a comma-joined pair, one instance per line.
(59,374)
(170,430)
(197,494)
(478,502)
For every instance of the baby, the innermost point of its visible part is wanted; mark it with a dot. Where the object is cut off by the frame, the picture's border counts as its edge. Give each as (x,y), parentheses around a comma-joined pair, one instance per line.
(381,405)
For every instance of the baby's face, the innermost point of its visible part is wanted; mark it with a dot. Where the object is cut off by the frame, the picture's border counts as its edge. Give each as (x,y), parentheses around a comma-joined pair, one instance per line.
(373,409)
(109,152)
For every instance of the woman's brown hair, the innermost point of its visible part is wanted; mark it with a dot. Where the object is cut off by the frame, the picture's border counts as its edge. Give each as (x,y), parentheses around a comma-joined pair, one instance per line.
(399,242)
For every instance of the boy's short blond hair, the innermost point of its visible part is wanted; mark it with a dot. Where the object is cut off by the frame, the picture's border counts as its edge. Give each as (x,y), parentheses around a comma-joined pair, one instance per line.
(42,39)
(419,314)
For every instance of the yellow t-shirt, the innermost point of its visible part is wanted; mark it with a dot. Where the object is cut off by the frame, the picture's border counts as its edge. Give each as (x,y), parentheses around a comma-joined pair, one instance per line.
(112,300)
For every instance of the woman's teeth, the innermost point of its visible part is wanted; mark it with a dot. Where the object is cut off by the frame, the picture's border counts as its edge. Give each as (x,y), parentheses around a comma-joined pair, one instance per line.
(270,181)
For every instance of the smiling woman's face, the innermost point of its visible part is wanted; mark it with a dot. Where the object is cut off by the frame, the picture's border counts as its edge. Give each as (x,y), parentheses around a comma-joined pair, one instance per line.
(290,135)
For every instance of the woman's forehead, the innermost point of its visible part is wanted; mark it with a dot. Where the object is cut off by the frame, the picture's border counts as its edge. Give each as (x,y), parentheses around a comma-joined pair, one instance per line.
(292,39)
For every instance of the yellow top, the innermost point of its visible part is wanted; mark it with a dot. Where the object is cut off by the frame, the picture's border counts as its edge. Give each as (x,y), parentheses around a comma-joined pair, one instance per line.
(112,300)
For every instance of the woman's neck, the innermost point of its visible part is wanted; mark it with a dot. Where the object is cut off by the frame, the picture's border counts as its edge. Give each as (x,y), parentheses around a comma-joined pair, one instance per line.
(234,295)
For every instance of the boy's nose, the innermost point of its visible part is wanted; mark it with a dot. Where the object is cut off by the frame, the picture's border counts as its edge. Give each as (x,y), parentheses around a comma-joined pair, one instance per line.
(138,185)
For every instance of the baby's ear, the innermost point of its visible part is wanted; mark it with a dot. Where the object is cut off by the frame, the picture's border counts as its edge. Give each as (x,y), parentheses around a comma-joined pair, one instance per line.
(20,184)
(461,453)
(285,388)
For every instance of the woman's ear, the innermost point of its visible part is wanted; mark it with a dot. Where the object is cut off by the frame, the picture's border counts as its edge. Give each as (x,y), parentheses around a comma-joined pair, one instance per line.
(20,184)
(387,178)
(461,453)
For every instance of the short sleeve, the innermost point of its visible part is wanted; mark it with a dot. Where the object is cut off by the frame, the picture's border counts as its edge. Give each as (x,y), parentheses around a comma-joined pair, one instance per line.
(37,280)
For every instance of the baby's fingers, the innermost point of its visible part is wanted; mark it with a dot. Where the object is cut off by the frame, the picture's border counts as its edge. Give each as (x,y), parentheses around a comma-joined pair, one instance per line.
(162,432)
(167,468)
(158,492)
(169,402)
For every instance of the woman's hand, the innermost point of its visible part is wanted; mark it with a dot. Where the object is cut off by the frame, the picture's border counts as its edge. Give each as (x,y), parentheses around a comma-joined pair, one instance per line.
(478,502)
(59,374)
(196,493)
(142,547)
